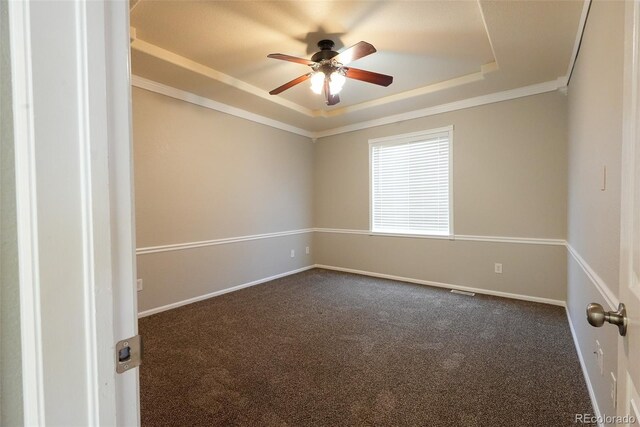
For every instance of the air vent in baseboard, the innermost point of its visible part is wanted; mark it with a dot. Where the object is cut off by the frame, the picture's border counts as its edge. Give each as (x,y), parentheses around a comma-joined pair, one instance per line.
(455,291)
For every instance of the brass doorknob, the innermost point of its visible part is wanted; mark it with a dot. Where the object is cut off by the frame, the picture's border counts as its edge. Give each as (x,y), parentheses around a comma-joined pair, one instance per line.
(596,316)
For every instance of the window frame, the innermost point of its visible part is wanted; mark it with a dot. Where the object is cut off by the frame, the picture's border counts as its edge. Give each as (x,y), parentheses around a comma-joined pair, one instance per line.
(401,139)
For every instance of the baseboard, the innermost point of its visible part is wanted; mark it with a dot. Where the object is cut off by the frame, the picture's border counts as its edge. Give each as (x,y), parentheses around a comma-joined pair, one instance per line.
(220,292)
(447,285)
(585,372)
(350,270)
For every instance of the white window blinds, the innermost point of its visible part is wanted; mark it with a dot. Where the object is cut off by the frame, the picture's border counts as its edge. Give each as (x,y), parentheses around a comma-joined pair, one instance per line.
(410,183)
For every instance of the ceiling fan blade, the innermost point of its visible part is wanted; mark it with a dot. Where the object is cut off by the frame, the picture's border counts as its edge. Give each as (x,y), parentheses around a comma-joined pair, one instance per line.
(369,76)
(290,84)
(357,51)
(290,58)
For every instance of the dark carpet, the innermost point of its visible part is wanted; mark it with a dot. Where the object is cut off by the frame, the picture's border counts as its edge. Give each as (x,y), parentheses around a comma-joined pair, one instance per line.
(323,348)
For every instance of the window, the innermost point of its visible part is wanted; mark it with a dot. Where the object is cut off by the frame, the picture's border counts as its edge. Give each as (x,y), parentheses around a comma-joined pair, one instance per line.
(411,183)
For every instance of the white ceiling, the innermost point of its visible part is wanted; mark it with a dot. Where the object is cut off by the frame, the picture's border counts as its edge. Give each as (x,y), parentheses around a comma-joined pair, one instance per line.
(438,52)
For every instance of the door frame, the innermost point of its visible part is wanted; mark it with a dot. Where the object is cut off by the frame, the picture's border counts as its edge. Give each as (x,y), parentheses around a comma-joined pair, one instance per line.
(26,215)
(98,117)
(628,399)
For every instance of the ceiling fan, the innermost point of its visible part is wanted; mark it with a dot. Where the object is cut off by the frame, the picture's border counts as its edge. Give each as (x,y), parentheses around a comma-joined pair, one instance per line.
(329,70)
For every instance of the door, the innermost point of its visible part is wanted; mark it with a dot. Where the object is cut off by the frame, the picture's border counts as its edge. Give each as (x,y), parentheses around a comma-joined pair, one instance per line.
(71,108)
(628,401)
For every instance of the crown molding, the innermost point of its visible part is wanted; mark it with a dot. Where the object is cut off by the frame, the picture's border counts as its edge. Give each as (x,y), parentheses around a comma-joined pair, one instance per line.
(425,90)
(196,67)
(576,44)
(486,29)
(192,98)
(506,95)
(559,84)
(188,64)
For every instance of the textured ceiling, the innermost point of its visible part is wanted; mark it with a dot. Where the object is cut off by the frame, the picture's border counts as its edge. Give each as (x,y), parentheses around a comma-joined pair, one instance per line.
(437,51)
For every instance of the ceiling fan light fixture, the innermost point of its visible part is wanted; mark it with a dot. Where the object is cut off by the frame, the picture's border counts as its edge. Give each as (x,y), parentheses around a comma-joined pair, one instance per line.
(317,82)
(336,82)
(328,73)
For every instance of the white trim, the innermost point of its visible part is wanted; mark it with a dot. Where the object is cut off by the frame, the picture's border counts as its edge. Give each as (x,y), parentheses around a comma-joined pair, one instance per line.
(446,285)
(493,239)
(491,98)
(486,29)
(346,231)
(27,217)
(504,239)
(123,272)
(88,156)
(411,135)
(192,98)
(369,165)
(585,372)
(195,67)
(576,44)
(412,236)
(192,245)
(214,242)
(452,229)
(628,280)
(211,73)
(597,281)
(221,292)
(348,270)
(477,101)
(423,90)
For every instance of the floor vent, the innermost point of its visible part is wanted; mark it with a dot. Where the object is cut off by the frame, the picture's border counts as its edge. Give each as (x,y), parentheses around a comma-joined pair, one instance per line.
(455,291)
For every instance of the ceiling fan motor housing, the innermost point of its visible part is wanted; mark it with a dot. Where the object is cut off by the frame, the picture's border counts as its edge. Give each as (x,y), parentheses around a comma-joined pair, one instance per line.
(326,51)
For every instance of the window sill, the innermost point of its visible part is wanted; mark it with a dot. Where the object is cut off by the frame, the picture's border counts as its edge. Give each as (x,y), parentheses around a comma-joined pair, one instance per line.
(414,236)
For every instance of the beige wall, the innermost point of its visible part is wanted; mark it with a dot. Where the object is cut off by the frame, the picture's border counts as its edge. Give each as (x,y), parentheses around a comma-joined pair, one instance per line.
(509,169)
(10,347)
(201,174)
(175,276)
(595,133)
(529,270)
(204,175)
(509,178)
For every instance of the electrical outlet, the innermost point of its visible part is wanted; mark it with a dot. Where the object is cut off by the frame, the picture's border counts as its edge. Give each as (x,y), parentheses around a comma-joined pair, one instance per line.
(614,389)
(497,268)
(293,253)
(139,283)
(307,250)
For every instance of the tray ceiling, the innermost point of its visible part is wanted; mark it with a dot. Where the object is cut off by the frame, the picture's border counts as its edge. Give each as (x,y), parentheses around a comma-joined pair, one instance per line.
(438,52)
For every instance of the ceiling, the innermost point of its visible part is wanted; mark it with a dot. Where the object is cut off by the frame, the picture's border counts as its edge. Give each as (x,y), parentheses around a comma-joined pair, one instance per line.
(438,52)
